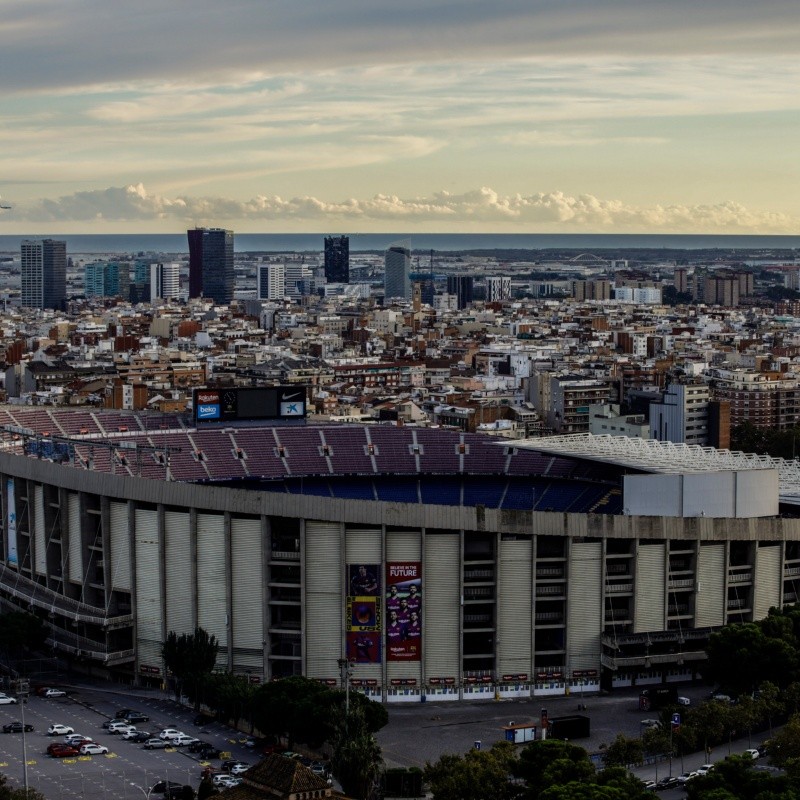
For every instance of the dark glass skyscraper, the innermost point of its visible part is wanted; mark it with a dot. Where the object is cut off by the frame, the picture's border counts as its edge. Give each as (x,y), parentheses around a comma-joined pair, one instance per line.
(44,273)
(211,271)
(461,286)
(337,259)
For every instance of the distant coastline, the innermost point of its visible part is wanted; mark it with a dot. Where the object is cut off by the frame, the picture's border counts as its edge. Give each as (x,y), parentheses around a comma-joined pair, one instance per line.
(441,242)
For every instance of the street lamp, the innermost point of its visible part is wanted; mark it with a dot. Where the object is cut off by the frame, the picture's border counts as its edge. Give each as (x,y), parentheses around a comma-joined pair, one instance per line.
(142,790)
(22,688)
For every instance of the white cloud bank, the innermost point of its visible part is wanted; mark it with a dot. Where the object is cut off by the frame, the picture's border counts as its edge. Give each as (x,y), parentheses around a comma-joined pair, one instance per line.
(479,210)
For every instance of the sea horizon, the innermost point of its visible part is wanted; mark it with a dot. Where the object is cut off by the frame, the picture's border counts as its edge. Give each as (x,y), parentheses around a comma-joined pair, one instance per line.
(448,242)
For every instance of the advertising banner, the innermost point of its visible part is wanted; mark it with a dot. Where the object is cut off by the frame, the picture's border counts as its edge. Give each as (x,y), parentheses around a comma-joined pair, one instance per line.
(404,611)
(11,525)
(363,613)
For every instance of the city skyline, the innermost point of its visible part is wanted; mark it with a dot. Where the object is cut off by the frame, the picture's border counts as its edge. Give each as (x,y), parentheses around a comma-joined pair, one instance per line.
(516,117)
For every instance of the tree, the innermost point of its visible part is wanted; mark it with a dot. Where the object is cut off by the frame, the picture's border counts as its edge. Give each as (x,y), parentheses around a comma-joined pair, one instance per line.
(478,775)
(9,793)
(542,763)
(785,744)
(708,721)
(357,761)
(769,702)
(623,751)
(190,657)
(21,632)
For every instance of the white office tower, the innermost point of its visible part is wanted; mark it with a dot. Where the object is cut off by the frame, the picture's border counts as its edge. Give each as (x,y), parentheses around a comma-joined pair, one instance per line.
(498,287)
(397,266)
(271,281)
(165,281)
(296,273)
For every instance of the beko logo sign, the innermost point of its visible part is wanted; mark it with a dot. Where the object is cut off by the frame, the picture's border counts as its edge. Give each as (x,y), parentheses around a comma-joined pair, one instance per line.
(208,411)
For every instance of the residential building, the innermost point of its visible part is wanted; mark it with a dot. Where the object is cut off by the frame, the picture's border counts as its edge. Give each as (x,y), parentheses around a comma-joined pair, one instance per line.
(271,281)
(211,267)
(44,273)
(107,279)
(498,288)
(682,415)
(591,290)
(165,281)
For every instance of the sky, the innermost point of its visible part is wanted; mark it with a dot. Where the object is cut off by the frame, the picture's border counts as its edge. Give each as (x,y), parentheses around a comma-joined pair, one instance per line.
(358,116)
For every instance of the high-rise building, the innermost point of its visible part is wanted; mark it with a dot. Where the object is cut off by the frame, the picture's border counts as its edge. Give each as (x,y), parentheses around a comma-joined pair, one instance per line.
(397,266)
(498,287)
(94,279)
(271,281)
(296,274)
(107,279)
(337,259)
(682,415)
(211,268)
(165,281)
(462,287)
(44,273)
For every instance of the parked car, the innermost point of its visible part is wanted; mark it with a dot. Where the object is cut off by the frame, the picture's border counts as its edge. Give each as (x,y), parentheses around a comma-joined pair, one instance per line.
(132,734)
(209,752)
(17,727)
(649,786)
(669,782)
(120,727)
(686,776)
(5,700)
(705,769)
(137,716)
(198,745)
(156,744)
(183,740)
(684,701)
(238,769)
(170,733)
(76,737)
(57,729)
(61,750)
(164,786)
(753,753)
(55,693)
(225,781)
(93,749)
(229,763)
(139,737)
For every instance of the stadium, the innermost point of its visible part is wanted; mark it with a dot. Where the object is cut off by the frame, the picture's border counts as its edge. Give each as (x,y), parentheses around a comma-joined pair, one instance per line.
(416,563)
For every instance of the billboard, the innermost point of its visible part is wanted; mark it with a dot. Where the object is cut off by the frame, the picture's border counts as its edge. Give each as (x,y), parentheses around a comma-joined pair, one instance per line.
(237,404)
(11,525)
(363,613)
(403,611)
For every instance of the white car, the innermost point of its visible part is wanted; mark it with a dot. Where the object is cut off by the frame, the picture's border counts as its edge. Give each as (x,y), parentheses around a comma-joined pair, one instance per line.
(170,733)
(684,701)
(121,727)
(55,693)
(686,776)
(238,769)
(93,749)
(226,781)
(76,737)
(59,730)
(753,753)
(705,769)
(183,740)
(5,700)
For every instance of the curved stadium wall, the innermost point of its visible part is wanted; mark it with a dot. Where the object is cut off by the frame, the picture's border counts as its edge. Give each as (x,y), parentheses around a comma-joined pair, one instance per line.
(527,577)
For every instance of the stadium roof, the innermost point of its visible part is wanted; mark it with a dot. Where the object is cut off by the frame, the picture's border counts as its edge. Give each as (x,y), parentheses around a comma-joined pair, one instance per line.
(648,455)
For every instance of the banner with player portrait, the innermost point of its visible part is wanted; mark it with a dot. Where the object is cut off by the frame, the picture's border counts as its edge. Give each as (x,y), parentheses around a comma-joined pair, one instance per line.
(403,611)
(363,613)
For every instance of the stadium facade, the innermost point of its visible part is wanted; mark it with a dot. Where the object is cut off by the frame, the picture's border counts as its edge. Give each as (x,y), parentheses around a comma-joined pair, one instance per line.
(442,565)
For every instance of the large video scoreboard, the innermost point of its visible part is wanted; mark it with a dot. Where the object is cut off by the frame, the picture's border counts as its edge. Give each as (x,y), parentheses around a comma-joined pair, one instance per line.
(238,405)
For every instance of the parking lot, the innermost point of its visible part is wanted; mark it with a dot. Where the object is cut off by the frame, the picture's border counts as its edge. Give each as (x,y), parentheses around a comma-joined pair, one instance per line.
(128,771)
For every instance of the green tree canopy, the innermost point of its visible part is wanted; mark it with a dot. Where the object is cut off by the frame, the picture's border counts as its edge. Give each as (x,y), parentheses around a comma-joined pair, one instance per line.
(623,751)
(478,775)
(190,657)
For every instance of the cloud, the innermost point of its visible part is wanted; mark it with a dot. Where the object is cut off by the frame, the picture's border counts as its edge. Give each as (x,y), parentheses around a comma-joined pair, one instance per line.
(49,44)
(480,209)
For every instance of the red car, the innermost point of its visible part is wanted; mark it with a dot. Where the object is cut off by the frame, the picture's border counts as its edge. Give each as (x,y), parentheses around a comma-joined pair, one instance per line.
(61,750)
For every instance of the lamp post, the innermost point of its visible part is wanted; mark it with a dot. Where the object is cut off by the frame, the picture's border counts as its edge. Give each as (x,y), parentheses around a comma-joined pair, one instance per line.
(22,687)
(144,791)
